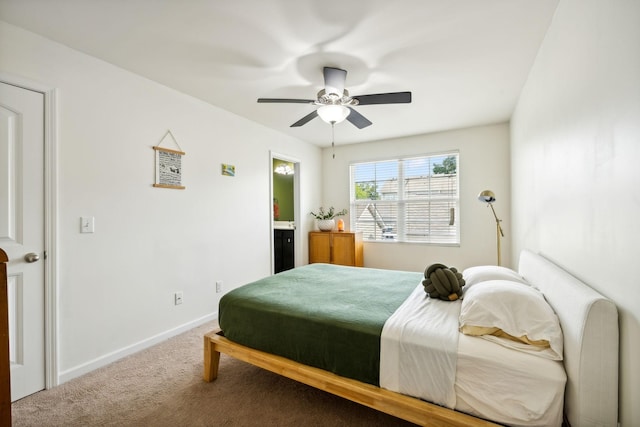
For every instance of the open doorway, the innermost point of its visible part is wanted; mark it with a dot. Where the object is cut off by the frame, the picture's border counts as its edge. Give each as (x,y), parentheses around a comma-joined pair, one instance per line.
(285,180)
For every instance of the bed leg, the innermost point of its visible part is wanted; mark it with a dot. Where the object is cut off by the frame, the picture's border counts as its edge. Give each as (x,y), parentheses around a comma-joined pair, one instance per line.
(211,360)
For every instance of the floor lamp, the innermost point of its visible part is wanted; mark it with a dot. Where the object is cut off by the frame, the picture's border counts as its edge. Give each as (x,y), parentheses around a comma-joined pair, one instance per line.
(488,197)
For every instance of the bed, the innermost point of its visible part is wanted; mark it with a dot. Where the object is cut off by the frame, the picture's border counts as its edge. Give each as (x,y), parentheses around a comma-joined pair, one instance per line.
(349,354)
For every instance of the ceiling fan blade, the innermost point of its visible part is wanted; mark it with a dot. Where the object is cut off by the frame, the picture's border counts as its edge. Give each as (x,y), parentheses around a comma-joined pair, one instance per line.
(312,115)
(357,119)
(384,98)
(287,101)
(334,79)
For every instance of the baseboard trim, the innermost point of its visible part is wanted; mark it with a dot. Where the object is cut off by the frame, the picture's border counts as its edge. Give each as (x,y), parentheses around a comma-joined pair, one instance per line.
(99,362)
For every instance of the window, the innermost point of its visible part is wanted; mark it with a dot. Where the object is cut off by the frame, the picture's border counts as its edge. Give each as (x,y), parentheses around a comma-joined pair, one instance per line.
(407,200)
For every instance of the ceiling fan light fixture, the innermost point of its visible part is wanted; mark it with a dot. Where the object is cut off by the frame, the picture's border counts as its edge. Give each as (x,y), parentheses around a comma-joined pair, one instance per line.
(333,113)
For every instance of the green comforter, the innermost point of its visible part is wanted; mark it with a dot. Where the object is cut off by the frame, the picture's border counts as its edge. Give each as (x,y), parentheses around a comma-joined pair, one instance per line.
(321,315)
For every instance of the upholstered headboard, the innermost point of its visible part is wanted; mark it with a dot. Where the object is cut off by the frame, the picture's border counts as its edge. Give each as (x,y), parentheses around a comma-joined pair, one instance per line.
(590,327)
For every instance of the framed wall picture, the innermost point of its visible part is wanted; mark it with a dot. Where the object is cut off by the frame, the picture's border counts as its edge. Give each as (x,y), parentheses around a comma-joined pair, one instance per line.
(168,166)
(228,170)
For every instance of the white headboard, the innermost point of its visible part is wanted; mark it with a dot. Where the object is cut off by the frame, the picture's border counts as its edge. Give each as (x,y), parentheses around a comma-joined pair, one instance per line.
(590,327)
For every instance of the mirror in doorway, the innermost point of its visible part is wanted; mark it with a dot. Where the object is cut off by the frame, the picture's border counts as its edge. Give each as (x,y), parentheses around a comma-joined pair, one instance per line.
(283,175)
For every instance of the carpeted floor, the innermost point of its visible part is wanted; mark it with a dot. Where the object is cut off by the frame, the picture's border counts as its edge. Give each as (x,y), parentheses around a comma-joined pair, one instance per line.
(163,386)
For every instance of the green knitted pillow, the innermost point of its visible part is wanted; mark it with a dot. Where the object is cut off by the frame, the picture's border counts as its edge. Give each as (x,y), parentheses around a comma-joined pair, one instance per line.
(443,282)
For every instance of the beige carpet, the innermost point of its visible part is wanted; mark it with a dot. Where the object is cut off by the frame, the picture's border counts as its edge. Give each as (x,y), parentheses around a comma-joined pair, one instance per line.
(162,386)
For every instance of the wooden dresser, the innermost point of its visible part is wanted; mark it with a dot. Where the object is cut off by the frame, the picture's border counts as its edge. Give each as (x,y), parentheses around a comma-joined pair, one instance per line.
(336,247)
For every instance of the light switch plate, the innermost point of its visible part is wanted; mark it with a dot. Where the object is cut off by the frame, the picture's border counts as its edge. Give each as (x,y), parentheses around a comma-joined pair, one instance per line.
(87,224)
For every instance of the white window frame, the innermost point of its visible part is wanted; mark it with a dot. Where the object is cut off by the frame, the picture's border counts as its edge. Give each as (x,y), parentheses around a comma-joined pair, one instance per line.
(364,213)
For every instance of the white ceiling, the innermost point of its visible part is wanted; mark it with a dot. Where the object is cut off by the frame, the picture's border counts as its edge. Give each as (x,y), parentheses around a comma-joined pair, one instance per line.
(465,61)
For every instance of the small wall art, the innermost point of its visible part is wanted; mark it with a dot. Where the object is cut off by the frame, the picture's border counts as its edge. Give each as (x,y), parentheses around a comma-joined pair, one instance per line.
(228,170)
(168,165)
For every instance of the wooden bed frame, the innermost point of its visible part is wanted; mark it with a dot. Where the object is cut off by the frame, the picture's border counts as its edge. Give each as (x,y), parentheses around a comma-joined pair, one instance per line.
(590,327)
(396,404)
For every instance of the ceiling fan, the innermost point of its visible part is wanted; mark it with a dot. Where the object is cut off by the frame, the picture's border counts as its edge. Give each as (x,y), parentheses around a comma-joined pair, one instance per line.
(335,104)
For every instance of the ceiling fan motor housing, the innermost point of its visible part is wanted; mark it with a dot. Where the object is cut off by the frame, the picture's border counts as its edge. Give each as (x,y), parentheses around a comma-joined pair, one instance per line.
(325,98)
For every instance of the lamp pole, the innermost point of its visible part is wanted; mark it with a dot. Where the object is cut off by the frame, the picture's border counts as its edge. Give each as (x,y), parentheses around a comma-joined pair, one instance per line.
(499,232)
(488,197)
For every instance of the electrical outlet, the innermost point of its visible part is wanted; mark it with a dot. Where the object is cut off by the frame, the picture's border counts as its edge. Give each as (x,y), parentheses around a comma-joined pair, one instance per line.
(177,298)
(218,286)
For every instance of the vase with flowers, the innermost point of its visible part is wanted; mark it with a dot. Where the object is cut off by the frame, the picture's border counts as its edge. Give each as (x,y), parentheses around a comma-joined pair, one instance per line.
(325,219)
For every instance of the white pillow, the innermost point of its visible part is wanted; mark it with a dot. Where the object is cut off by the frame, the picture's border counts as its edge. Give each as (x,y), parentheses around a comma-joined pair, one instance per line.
(482,273)
(494,307)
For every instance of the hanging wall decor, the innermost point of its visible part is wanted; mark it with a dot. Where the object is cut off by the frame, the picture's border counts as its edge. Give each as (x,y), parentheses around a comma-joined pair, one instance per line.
(228,170)
(168,165)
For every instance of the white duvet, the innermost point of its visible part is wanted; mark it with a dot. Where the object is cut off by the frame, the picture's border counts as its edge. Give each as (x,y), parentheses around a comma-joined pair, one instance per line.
(420,335)
(422,354)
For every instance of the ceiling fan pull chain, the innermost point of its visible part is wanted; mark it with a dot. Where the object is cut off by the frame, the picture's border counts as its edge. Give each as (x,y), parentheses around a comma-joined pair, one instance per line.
(333,137)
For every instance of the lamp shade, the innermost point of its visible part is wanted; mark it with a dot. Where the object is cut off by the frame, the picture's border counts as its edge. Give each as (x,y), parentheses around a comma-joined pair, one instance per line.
(333,113)
(487,196)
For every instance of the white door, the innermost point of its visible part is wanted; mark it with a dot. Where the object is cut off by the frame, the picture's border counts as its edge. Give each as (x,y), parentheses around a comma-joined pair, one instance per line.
(22,232)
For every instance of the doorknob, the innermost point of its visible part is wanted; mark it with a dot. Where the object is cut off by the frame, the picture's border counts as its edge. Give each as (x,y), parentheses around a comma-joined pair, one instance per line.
(32,257)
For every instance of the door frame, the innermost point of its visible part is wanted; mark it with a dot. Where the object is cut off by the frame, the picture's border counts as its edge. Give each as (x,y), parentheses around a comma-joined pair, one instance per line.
(296,206)
(50,221)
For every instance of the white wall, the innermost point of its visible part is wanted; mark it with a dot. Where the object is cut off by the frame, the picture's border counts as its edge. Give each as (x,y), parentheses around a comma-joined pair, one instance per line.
(116,286)
(484,164)
(575,153)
